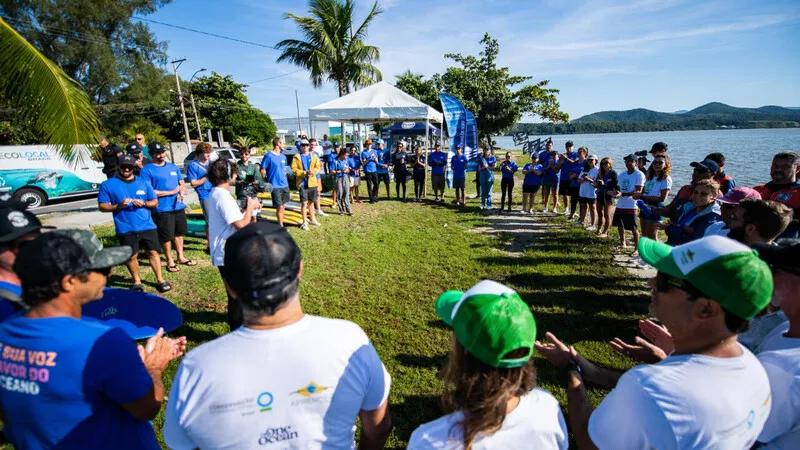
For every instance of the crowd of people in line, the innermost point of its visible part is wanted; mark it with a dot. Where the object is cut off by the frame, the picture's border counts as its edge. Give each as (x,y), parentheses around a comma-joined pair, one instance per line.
(721,369)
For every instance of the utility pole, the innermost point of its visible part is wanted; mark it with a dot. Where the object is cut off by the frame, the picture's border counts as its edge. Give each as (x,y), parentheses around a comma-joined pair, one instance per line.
(194,108)
(175,65)
(299,122)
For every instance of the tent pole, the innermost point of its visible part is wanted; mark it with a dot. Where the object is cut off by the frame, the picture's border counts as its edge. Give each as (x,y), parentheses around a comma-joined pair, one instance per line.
(427,146)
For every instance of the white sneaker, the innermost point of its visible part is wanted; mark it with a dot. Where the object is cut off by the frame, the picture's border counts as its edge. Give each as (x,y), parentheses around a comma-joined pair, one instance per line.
(319,211)
(304,226)
(566,212)
(314,222)
(591,228)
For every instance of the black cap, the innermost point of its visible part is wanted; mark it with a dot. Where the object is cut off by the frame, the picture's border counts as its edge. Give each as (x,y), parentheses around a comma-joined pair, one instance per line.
(569,144)
(133,148)
(632,157)
(658,147)
(48,258)
(644,159)
(155,147)
(126,159)
(261,259)
(16,222)
(707,164)
(784,254)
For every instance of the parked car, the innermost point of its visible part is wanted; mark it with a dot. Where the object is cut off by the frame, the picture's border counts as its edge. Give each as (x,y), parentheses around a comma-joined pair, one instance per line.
(230,153)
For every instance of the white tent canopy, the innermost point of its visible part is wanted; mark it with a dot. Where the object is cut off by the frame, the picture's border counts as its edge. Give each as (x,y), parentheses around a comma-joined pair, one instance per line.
(380,102)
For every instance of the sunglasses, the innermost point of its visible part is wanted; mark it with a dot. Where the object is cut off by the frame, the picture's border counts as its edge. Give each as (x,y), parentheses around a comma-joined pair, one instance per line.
(125,167)
(660,163)
(665,282)
(139,139)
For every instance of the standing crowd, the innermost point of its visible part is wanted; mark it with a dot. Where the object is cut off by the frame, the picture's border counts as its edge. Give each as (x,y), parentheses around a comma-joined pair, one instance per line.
(721,370)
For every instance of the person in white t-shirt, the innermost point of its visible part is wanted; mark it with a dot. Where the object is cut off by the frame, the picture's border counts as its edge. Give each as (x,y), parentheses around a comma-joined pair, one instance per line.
(710,392)
(657,185)
(587,192)
(225,217)
(284,378)
(629,182)
(490,380)
(780,351)
(327,147)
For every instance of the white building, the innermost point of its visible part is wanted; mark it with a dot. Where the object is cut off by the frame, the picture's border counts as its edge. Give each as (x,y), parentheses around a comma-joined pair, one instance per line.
(290,126)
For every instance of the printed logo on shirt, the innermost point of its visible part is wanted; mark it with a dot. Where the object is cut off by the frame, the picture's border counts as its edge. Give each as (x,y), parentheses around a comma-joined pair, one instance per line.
(246,406)
(174,174)
(783,197)
(751,417)
(22,370)
(140,192)
(264,401)
(312,394)
(110,311)
(277,434)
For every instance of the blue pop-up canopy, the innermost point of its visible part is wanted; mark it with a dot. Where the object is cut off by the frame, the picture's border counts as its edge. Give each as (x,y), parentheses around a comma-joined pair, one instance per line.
(410,129)
(139,314)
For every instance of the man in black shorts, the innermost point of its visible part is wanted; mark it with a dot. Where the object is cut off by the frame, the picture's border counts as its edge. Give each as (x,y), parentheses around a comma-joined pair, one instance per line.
(130,199)
(169,216)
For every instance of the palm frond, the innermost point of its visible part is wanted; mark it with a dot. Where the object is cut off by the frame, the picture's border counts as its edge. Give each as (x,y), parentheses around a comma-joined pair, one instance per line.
(361,32)
(60,109)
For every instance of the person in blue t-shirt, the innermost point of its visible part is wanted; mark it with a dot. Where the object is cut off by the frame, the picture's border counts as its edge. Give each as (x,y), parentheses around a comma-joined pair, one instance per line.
(384,161)
(273,170)
(438,162)
(197,174)
(574,185)
(550,180)
(69,383)
(169,216)
(17,226)
(369,159)
(486,167)
(564,166)
(329,159)
(458,163)
(355,174)
(507,169)
(530,184)
(340,168)
(130,199)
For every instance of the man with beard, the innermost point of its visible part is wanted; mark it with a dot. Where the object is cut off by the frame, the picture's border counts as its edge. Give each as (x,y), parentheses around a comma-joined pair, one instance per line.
(759,221)
(729,203)
(784,188)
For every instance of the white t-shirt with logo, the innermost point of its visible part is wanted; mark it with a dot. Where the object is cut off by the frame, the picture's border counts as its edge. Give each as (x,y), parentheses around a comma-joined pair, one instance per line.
(300,386)
(686,401)
(536,422)
(222,211)
(654,186)
(627,183)
(586,189)
(782,430)
(326,147)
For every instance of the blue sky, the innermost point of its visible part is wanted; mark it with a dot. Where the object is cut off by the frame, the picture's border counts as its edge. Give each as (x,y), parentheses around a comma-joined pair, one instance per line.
(663,55)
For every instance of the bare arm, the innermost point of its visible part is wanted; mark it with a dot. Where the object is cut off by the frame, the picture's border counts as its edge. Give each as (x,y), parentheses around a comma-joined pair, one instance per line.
(108,207)
(159,351)
(375,427)
(579,410)
(252,204)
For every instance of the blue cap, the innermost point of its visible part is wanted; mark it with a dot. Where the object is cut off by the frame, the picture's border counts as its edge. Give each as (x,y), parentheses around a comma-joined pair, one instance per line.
(379,141)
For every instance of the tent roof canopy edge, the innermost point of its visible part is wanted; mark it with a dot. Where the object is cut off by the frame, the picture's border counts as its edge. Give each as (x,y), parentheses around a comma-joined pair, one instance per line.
(378,103)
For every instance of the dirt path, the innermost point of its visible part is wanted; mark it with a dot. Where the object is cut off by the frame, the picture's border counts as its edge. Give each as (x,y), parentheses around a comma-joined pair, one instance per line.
(518,231)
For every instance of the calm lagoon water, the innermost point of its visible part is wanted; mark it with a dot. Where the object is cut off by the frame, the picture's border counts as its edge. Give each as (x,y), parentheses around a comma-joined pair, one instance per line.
(748,153)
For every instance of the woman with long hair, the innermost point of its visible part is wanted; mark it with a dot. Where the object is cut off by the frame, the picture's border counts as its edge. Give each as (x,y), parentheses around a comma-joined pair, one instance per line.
(606,182)
(400,169)
(418,172)
(655,193)
(696,216)
(490,381)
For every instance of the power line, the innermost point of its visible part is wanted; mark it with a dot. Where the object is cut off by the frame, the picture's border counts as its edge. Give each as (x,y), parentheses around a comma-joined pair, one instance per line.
(242,41)
(277,76)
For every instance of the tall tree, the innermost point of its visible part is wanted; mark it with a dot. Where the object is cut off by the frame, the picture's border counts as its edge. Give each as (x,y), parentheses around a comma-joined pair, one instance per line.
(334,49)
(96,42)
(49,100)
(426,91)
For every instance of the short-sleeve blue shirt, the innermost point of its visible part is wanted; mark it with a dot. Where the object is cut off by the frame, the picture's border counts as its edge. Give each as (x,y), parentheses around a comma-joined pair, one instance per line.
(132,218)
(164,178)
(196,171)
(355,164)
(275,167)
(531,179)
(510,175)
(459,166)
(566,166)
(438,163)
(370,166)
(385,157)
(577,169)
(63,382)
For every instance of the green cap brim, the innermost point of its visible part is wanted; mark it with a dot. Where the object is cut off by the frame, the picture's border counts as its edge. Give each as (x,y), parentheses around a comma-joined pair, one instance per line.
(445,304)
(659,255)
(111,256)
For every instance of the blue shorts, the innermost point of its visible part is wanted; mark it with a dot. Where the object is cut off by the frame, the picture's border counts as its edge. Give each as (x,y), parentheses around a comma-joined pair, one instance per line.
(551,185)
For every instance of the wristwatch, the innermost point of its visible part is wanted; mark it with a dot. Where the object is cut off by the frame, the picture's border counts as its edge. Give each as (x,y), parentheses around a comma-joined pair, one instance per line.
(572,367)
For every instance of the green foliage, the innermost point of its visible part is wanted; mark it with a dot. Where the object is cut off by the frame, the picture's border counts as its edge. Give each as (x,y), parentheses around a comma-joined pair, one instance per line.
(486,90)
(52,104)
(333,49)
(243,142)
(152,132)
(96,42)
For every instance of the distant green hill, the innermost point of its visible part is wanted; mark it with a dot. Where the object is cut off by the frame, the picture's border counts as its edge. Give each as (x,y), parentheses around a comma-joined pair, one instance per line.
(707,117)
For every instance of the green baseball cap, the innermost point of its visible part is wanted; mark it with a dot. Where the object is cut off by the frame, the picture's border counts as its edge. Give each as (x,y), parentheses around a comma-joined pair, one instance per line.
(99,257)
(728,272)
(489,320)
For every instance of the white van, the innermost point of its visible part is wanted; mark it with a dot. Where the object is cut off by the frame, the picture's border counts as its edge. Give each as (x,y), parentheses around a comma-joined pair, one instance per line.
(36,173)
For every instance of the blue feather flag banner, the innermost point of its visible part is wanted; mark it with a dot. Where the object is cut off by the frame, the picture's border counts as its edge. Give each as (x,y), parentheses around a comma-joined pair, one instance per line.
(472,137)
(455,115)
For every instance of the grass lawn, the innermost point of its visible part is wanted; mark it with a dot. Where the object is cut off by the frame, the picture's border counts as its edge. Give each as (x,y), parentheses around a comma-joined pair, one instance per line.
(383,269)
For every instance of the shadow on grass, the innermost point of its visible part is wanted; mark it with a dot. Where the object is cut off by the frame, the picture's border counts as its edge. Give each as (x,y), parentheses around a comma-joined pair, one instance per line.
(418,361)
(412,411)
(438,323)
(191,319)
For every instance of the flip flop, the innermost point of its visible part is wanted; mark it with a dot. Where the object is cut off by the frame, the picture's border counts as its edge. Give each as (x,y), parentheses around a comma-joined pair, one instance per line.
(137,288)
(188,262)
(164,287)
(173,268)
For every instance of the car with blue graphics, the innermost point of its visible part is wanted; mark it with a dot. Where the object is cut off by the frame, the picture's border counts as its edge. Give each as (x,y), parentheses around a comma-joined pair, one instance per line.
(36,174)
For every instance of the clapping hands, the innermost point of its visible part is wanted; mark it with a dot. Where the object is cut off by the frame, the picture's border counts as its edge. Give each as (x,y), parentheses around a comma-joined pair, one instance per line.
(645,351)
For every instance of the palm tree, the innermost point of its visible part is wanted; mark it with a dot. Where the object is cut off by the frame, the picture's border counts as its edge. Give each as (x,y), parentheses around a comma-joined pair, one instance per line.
(59,107)
(332,51)
(244,142)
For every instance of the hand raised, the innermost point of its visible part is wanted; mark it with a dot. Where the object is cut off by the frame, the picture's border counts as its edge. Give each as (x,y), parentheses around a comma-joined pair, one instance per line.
(556,351)
(644,351)
(658,335)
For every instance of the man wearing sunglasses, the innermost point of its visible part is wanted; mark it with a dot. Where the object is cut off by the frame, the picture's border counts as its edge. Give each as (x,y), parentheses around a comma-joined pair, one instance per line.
(17,226)
(710,392)
(96,387)
(130,199)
